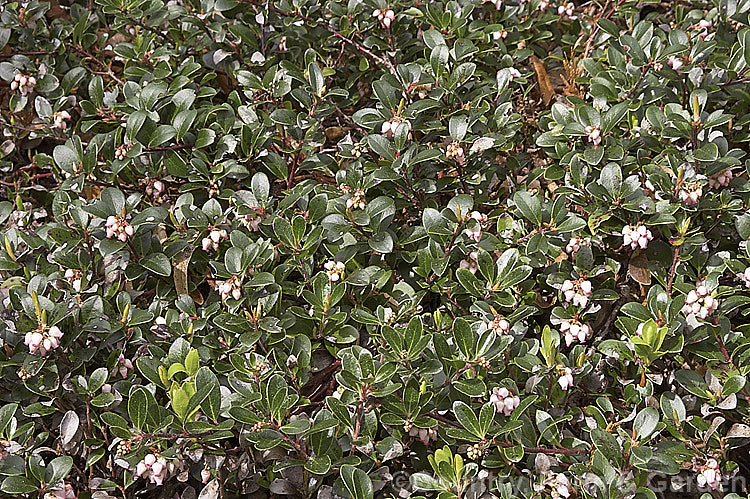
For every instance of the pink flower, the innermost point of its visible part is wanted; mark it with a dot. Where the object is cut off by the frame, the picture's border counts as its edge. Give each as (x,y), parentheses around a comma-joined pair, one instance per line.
(386,17)
(500,325)
(566,377)
(231,287)
(700,302)
(594,134)
(574,330)
(709,474)
(503,400)
(674,62)
(470,262)
(43,340)
(24,83)
(335,270)
(118,228)
(424,434)
(124,365)
(720,179)
(577,292)
(636,236)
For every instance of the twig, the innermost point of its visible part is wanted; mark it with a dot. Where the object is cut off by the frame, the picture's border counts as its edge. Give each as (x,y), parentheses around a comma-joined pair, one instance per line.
(673,270)
(545,450)
(80,51)
(31,52)
(335,32)
(728,359)
(166,148)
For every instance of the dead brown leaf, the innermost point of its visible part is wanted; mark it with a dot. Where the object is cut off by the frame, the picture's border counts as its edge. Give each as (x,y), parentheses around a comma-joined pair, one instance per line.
(179,273)
(638,268)
(91,192)
(545,86)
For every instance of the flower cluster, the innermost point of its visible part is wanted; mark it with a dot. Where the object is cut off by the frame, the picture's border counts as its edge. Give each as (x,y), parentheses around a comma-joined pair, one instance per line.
(566,376)
(745,277)
(577,292)
(65,492)
(474,452)
(503,400)
(388,128)
(574,330)
(154,467)
(231,287)
(425,435)
(455,151)
(358,150)
(720,179)
(43,339)
(513,73)
(674,62)
(497,35)
(59,120)
(156,190)
(470,262)
(24,83)
(475,232)
(557,486)
(215,236)
(122,151)
(356,199)
(594,134)
(75,278)
(123,366)
(576,243)
(636,236)
(389,316)
(702,28)
(567,9)
(691,192)
(334,269)
(385,17)
(709,474)
(700,302)
(500,324)
(118,228)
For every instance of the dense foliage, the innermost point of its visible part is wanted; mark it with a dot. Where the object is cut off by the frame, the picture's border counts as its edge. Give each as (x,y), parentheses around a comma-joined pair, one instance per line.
(361,248)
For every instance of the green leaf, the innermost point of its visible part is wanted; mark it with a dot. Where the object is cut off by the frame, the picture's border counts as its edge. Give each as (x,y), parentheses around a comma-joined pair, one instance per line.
(613,116)
(15,485)
(463,335)
(423,481)
(672,407)
(357,483)
(137,408)
(192,362)
(97,379)
(318,465)
(6,414)
(382,243)
(205,138)
(58,468)
(158,263)
(381,146)
(162,134)
(645,422)
(211,405)
(529,206)
(467,418)
(317,83)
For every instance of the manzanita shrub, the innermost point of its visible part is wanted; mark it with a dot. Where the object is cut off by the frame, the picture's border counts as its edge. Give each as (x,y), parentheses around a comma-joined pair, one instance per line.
(355,249)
